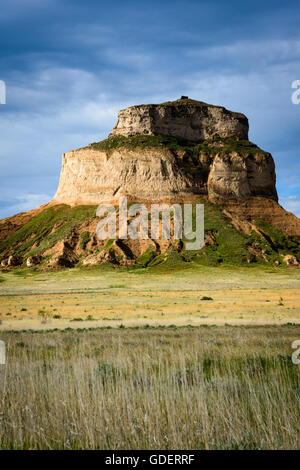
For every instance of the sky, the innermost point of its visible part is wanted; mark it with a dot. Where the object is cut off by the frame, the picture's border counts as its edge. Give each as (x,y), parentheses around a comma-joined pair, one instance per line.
(69,66)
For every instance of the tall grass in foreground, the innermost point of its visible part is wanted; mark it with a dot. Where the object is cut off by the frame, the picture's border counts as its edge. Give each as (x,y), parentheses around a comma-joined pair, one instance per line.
(163,388)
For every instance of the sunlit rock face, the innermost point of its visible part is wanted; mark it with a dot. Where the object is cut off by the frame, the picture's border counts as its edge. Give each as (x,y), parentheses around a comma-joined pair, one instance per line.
(170,151)
(236,176)
(182,151)
(91,176)
(192,120)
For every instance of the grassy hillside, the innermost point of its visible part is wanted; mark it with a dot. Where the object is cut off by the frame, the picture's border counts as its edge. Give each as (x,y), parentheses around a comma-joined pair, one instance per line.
(46,229)
(228,245)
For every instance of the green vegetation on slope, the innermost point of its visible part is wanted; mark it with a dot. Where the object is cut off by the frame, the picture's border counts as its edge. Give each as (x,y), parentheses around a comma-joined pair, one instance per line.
(145,259)
(226,245)
(279,241)
(46,229)
(84,239)
(229,246)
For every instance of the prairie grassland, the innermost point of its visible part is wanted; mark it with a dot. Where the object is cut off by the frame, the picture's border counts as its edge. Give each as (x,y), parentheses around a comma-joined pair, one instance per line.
(102,297)
(209,387)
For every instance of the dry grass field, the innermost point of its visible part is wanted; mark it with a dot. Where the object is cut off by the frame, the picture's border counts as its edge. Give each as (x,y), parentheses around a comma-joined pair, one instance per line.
(162,388)
(106,359)
(103,297)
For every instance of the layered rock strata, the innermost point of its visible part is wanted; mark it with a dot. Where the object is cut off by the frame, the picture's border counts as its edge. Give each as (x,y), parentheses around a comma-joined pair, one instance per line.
(192,120)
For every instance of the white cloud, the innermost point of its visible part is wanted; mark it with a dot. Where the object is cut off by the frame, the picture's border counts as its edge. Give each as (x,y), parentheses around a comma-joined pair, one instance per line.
(291,204)
(24,203)
(61,109)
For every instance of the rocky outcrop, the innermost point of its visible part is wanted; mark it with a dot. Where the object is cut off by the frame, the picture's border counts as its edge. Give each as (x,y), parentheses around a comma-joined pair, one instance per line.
(242,176)
(174,152)
(14,260)
(211,160)
(62,255)
(91,176)
(33,261)
(192,120)
(94,176)
(290,260)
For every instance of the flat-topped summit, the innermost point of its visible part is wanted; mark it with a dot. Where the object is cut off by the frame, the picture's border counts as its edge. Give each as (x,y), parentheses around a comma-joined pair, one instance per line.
(190,119)
(173,150)
(179,151)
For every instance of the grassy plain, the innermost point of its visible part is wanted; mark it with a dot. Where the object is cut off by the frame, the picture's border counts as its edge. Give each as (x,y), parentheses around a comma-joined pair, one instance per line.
(106,296)
(162,388)
(101,358)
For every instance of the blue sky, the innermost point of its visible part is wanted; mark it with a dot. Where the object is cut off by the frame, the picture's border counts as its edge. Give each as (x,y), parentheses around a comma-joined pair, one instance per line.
(70,65)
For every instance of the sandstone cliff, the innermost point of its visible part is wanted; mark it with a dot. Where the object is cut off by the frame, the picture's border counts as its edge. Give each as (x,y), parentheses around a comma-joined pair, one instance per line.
(192,120)
(179,151)
(169,151)
(93,176)
(154,168)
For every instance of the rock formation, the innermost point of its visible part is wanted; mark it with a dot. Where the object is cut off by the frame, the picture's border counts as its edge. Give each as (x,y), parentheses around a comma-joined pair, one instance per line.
(192,120)
(241,176)
(207,153)
(177,151)
(92,176)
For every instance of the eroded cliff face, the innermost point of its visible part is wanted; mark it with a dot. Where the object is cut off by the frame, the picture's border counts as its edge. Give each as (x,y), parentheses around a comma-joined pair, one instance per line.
(92,176)
(169,151)
(147,173)
(236,176)
(192,120)
(182,151)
